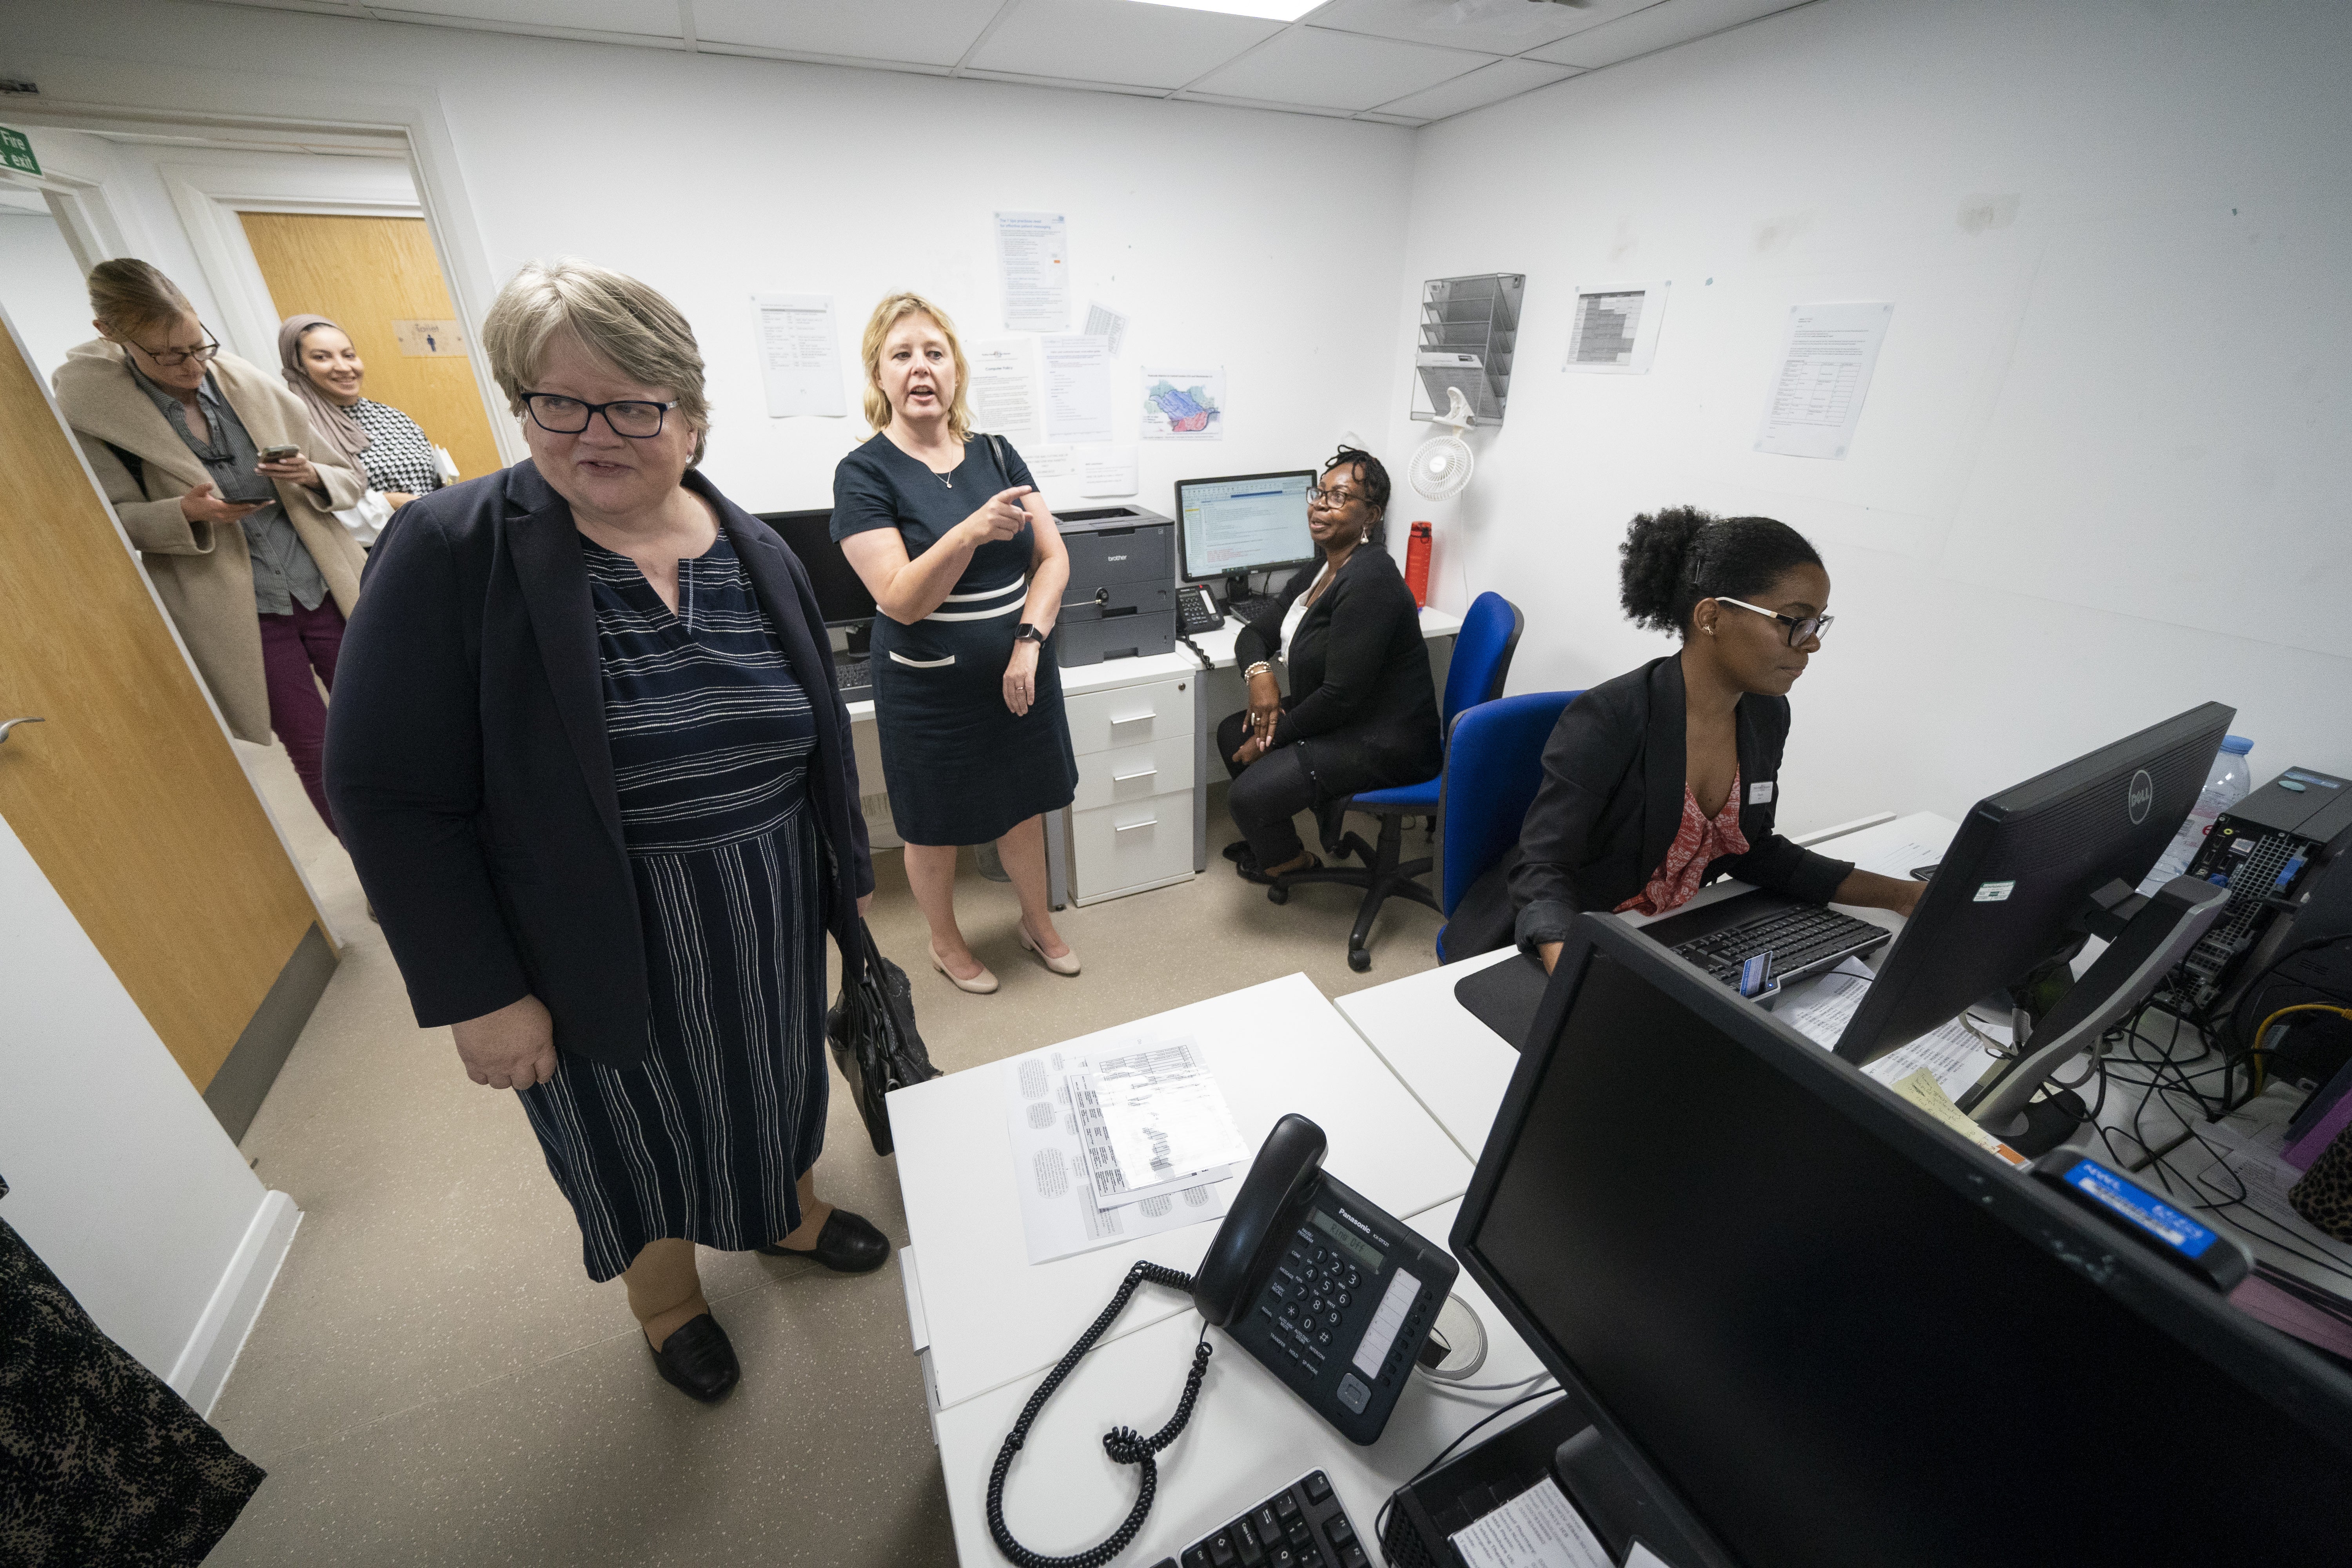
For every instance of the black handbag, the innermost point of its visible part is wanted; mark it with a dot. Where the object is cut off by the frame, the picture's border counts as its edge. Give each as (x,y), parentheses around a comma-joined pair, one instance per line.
(871,1028)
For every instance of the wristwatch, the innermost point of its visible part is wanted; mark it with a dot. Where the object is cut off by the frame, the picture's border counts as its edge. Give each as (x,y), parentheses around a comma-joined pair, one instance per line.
(1024,632)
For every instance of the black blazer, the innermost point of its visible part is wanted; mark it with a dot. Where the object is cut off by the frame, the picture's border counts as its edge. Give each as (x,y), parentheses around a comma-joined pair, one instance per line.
(1361,698)
(472,780)
(1615,771)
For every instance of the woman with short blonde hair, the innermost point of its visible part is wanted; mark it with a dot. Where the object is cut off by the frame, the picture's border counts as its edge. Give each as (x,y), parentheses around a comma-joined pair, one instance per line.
(947,530)
(228,497)
(597,779)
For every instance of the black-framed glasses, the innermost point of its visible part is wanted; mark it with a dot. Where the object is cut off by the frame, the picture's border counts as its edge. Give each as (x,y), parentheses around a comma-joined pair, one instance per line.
(632,417)
(1318,496)
(1801,629)
(169,358)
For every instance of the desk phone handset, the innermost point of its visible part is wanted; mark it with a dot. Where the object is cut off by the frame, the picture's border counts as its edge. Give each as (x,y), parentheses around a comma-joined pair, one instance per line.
(1331,1294)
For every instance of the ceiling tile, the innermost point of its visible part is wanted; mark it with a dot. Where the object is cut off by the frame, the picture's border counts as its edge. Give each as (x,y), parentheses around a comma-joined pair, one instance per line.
(1489,84)
(1309,68)
(1499,26)
(1116,41)
(1658,27)
(652,18)
(927,32)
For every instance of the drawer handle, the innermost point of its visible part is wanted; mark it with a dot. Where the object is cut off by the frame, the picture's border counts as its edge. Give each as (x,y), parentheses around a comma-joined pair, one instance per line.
(1143,717)
(1129,826)
(1146,774)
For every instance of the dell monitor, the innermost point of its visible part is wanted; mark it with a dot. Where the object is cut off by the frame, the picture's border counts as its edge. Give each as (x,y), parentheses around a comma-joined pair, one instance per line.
(841,595)
(1232,527)
(1828,1332)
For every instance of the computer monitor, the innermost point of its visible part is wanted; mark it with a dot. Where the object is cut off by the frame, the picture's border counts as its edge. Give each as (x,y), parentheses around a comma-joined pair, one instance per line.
(1243,523)
(840,595)
(1828,1332)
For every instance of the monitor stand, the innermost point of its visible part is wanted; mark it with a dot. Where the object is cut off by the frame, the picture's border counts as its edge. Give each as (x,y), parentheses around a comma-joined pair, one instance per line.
(858,640)
(1237,587)
(2147,938)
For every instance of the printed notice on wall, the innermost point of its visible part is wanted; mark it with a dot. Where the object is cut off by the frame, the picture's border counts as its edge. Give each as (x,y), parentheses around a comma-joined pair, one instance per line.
(1108,471)
(1616,327)
(429,340)
(1183,405)
(1033,252)
(800,355)
(1003,396)
(1078,387)
(1822,377)
(1102,321)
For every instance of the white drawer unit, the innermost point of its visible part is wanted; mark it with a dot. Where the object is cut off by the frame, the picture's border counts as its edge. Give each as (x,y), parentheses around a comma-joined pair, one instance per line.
(1127,847)
(1132,824)
(1128,715)
(1131,774)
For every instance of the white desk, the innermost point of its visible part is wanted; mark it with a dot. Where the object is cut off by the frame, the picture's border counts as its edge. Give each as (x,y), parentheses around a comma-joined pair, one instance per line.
(991,1318)
(1248,1436)
(1458,1068)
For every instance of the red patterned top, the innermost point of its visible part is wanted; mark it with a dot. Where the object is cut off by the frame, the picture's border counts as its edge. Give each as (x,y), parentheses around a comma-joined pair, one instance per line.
(1697,842)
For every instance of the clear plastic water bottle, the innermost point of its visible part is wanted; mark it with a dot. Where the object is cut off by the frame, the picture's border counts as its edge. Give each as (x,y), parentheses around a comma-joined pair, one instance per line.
(2225,786)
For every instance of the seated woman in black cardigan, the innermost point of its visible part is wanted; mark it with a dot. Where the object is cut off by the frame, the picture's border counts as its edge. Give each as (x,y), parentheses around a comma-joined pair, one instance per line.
(1666,777)
(1362,713)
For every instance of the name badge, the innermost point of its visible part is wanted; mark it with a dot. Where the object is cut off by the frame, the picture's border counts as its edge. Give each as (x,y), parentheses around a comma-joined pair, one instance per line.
(1760,793)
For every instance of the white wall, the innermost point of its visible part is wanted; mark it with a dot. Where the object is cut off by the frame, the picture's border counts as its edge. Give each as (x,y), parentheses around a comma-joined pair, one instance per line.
(120,1177)
(42,288)
(2099,477)
(714,178)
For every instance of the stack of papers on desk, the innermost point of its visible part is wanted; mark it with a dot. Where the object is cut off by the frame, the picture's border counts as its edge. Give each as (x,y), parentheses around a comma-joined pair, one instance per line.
(1122,1141)
(1952,1055)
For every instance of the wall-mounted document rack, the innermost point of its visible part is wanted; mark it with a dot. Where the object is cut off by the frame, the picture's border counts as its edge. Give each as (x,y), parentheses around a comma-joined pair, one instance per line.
(1469,330)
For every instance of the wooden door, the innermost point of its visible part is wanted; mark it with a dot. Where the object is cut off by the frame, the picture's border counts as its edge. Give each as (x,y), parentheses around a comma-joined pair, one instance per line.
(129,796)
(364,274)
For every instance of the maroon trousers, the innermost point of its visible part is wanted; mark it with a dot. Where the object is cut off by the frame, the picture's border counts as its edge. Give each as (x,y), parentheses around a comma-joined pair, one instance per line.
(298,656)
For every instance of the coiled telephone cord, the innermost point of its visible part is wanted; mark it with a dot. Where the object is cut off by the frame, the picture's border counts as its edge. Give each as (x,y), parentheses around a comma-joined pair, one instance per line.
(1121,1442)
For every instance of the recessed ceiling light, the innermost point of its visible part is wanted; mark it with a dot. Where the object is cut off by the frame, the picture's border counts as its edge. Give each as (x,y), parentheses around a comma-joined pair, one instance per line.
(1266,10)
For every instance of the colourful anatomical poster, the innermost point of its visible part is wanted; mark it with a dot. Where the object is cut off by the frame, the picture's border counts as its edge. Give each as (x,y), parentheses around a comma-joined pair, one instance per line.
(1183,405)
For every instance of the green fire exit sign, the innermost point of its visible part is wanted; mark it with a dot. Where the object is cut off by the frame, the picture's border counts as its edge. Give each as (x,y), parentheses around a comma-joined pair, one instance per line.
(16,153)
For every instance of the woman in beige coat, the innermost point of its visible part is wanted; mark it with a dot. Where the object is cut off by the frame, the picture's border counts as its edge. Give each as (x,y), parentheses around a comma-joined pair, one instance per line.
(244,553)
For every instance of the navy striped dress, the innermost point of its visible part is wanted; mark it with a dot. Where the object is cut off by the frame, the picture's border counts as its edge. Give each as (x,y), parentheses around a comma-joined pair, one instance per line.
(711,739)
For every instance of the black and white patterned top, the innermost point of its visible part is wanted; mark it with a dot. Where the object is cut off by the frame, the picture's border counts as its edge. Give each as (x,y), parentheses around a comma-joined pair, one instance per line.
(399,456)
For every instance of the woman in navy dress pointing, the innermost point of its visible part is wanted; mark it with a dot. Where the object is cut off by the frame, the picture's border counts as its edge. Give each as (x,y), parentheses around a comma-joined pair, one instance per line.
(948,533)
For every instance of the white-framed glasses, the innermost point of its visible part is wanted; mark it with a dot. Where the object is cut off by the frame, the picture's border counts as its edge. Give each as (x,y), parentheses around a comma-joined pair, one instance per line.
(1801,629)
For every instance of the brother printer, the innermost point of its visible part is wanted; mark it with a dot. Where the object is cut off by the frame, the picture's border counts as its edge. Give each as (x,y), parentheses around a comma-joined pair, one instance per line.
(1121,600)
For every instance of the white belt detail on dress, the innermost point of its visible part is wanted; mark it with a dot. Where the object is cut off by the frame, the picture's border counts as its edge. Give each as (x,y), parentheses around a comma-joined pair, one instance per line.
(1015,586)
(922,663)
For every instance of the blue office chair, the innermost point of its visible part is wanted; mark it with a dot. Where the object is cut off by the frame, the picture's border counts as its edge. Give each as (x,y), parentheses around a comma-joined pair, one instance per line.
(1494,765)
(1482,662)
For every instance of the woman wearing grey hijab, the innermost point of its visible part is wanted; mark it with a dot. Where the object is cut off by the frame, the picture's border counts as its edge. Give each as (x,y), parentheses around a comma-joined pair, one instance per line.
(325,371)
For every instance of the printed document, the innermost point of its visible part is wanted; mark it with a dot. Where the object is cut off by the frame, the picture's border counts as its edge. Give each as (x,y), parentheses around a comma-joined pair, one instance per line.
(1163,1112)
(1077,388)
(1827,353)
(1108,471)
(800,355)
(1052,1179)
(1033,253)
(1538,1528)
(1183,405)
(1102,321)
(1003,394)
(1956,1058)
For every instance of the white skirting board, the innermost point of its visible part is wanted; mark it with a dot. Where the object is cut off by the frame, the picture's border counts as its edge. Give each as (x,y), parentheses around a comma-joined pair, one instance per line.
(211,1352)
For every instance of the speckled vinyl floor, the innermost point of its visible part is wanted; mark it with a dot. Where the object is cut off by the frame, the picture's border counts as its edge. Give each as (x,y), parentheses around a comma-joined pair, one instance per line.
(435,1380)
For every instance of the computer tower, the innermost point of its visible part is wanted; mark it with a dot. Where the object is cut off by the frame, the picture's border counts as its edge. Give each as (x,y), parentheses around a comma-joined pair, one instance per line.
(1121,599)
(2269,850)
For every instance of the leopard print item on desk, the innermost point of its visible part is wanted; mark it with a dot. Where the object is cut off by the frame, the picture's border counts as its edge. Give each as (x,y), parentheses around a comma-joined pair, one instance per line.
(2324,1196)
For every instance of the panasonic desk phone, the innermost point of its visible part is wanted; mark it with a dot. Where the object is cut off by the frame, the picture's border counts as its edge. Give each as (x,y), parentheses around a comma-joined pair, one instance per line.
(1332,1295)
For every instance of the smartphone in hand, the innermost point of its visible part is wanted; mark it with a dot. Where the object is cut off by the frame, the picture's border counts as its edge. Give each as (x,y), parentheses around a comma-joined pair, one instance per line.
(278,454)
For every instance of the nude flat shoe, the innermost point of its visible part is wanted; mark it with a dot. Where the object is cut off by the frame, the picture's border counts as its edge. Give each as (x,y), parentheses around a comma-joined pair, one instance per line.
(981,985)
(1067,965)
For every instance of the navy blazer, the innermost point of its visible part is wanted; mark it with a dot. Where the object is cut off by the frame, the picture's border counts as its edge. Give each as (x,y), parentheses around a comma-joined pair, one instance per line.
(1615,771)
(472,779)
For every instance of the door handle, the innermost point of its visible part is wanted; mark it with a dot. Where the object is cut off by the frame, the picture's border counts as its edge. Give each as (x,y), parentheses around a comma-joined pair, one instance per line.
(1131,826)
(1124,778)
(8,724)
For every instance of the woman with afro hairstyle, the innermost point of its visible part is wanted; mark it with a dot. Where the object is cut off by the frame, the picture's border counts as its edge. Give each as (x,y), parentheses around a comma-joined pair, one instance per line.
(1666,777)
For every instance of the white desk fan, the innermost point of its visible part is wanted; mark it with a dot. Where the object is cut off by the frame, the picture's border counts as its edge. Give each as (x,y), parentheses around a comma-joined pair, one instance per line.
(1442,468)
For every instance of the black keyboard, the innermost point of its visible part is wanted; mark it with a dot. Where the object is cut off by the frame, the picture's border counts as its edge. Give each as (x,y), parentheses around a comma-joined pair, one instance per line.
(1301,1526)
(855,675)
(1251,609)
(1803,942)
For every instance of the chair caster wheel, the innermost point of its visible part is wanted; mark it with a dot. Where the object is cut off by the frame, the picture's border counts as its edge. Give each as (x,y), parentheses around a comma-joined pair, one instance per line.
(1358,959)
(1277,895)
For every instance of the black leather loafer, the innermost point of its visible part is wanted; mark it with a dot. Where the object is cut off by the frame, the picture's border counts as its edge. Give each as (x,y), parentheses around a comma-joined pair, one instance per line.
(699,1360)
(847,1244)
